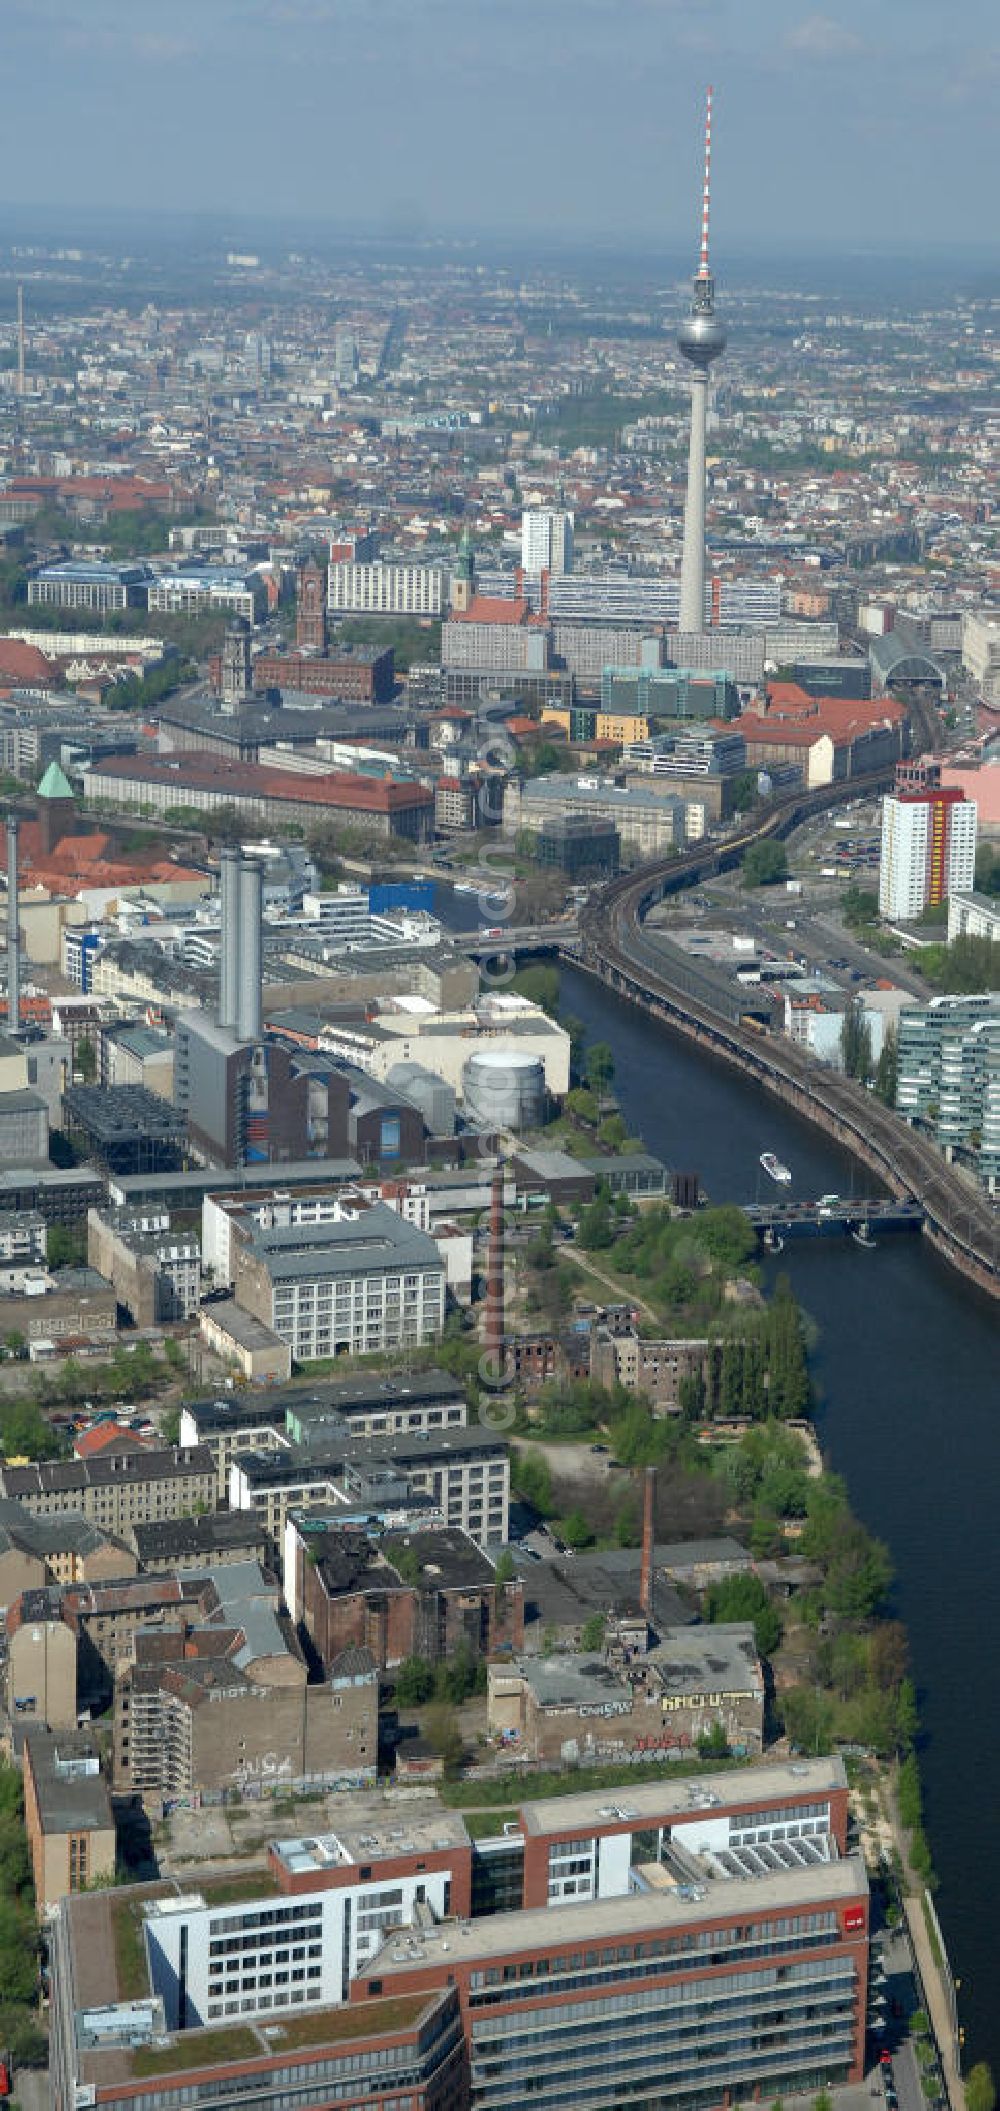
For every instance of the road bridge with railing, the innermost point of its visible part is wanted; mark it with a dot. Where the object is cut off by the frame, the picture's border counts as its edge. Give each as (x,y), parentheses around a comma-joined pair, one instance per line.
(519,939)
(831,1218)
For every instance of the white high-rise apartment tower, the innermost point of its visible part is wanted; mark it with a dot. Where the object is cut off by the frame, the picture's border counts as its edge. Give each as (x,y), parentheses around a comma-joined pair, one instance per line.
(546,541)
(928,851)
(701,338)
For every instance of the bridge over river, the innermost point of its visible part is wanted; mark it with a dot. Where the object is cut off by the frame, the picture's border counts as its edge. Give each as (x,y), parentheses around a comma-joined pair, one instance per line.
(832,1217)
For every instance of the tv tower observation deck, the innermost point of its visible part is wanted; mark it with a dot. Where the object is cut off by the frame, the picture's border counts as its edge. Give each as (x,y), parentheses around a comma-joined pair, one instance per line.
(701,338)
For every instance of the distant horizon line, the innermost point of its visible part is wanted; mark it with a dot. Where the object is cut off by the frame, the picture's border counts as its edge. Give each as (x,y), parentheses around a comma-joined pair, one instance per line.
(381,233)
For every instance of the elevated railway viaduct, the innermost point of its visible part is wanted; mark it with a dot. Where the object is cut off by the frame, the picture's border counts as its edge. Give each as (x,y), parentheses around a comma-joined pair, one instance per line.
(959,1220)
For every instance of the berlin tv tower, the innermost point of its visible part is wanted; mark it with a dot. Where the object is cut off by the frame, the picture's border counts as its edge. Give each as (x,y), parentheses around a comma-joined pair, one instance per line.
(701,338)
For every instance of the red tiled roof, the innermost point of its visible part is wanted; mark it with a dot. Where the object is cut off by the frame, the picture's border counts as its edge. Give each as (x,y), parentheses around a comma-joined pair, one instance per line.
(107,1436)
(79,861)
(204,772)
(787,701)
(74,851)
(492,608)
(23,663)
(787,693)
(786,732)
(37,1008)
(164,871)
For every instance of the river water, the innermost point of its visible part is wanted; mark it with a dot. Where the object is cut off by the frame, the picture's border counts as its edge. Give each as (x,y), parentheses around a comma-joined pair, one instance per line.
(908,1377)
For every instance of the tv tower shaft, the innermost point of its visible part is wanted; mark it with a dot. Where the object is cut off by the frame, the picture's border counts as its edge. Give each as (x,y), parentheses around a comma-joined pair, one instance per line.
(701,339)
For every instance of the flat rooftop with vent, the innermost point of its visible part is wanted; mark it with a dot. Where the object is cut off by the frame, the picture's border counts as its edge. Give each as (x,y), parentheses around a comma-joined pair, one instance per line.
(356,1847)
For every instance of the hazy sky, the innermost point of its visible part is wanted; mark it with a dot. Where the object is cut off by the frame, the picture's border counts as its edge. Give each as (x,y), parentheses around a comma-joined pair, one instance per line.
(847,123)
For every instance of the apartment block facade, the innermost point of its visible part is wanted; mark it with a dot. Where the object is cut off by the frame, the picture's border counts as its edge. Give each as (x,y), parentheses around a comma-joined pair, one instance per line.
(387,589)
(116,1492)
(928,850)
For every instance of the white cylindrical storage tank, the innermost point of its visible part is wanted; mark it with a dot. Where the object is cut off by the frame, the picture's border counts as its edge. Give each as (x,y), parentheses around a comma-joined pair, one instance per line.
(504,1088)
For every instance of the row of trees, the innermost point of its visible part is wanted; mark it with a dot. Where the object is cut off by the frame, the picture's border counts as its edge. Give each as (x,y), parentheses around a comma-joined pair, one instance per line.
(859,1690)
(856,1053)
(18,1927)
(763,1370)
(911,1816)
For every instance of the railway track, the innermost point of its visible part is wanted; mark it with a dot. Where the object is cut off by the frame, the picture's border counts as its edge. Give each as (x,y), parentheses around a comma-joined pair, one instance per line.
(959,1220)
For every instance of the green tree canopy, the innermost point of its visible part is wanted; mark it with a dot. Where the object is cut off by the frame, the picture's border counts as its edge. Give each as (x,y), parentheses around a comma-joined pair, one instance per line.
(856,1042)
(414,1682)
(887,1067)
(600,1066)
(444,1735)
(532,1481)
(764,864)
(575,1530)
(744,1597)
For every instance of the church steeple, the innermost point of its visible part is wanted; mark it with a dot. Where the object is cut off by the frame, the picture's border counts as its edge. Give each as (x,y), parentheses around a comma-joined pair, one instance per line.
(310,614)
(56,807)
(463,583)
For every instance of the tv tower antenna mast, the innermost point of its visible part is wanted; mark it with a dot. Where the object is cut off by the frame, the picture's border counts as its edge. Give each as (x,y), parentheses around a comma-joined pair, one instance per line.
(701,338)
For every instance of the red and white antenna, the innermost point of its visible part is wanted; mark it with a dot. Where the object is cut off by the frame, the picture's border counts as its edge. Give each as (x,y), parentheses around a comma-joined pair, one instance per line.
(703,270)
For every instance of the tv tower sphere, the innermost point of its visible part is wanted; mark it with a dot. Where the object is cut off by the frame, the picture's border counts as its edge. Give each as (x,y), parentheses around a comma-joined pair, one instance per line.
(701,338)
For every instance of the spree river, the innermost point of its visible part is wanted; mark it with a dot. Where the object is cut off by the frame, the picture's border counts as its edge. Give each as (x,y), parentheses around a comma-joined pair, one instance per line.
(908,1378)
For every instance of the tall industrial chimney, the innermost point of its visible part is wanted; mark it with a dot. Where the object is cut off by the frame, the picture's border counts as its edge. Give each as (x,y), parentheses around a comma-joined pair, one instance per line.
(646,1571)
(495,1316)
(229,887)
(13,930)
(248,967)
